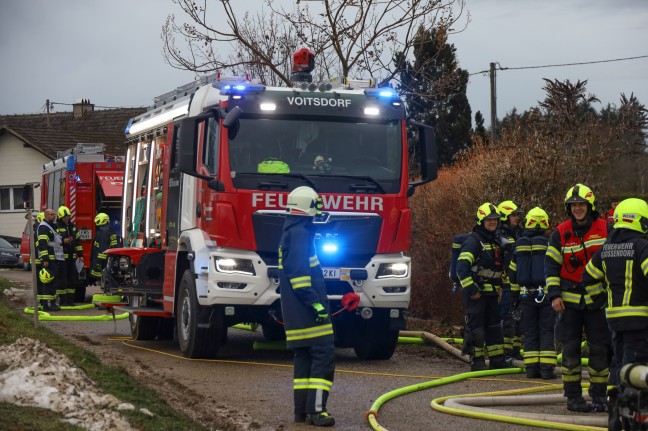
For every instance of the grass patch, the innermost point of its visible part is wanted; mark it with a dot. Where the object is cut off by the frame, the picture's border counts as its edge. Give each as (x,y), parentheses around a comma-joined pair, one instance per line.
(110,379)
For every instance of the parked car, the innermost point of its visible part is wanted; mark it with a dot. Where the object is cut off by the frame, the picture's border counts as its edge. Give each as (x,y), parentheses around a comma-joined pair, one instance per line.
(8,254)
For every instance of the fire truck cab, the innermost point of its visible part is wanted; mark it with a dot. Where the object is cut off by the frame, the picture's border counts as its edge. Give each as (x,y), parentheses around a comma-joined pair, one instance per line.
(208,171)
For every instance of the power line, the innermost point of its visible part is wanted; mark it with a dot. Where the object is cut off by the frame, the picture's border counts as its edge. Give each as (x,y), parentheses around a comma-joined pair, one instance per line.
(562,65)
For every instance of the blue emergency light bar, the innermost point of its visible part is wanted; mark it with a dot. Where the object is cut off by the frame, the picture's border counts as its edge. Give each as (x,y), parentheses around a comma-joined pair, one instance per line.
(382,93)
(229,88)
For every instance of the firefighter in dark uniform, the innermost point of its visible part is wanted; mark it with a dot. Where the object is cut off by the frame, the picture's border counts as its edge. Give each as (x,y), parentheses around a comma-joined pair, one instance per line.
(509,229)
(72,250)
(50,252)
(37,261)
(105,238)
(527,275)
(571,246)
(622,264)
(479,269)
(305,308)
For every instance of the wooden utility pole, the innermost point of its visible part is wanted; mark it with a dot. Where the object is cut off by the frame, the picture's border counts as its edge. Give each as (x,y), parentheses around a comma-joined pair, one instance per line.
(493,100)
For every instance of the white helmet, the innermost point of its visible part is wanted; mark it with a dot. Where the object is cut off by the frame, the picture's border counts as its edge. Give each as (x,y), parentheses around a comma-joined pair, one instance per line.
(303,201)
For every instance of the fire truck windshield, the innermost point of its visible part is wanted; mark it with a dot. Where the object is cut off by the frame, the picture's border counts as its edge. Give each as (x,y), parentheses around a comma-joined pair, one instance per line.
(342,157)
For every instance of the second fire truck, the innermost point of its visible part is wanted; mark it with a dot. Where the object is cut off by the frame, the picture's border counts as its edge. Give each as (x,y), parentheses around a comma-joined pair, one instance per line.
(207,175)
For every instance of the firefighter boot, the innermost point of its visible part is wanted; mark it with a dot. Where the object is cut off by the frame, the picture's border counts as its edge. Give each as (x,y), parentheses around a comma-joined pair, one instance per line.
(69,299)
(53,306)
(45,305)
(533,371)
(322,419)
(478,364)
(578,404)
(498,362)
(599,404)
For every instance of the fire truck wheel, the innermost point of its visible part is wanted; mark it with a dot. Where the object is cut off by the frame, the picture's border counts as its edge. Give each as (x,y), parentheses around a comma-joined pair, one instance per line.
(273,331)
(194,342)
(375,341)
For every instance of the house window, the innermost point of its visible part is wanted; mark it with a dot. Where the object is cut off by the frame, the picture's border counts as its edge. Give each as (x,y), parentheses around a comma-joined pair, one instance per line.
(11,198)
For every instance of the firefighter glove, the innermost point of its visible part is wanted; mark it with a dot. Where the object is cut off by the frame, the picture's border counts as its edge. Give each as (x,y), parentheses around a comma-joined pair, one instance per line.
(320,312)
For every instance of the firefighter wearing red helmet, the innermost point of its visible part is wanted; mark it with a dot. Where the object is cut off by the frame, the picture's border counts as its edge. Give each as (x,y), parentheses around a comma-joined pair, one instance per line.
(571,246)
(479,269)
(617,275)
(305,310)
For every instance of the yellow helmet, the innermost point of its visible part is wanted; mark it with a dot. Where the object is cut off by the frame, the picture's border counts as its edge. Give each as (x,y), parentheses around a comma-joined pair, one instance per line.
(507,208)
(40,217)
(303,201)
(45,276)
(536,217)
(101,219)
(632,214)
(580,193)
(63,211)
(487,211)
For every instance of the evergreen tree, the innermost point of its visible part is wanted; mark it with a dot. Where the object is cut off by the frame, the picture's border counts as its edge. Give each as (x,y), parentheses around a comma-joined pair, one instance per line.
(434,88)
(480,130)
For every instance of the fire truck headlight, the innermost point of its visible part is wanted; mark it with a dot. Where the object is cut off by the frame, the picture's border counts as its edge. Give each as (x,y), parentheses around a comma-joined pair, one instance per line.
(392,270)
(371,110)
(124,263)
(268,106)
(229,265)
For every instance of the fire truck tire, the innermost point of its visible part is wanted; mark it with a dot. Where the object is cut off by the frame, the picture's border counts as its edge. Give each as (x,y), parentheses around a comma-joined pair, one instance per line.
(194,342)
(273,331)
(375,341)
(165,329)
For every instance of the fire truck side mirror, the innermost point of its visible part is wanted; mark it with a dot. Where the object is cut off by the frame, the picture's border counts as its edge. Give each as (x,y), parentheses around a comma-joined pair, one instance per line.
(187,145)
(28,195)
(426,149)
(231,122)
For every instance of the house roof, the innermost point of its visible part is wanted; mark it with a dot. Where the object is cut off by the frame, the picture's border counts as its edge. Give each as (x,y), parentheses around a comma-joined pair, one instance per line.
(54,132)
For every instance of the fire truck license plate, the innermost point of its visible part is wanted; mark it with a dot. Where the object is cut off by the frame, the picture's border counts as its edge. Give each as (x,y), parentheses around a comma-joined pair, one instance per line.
(331,273)
(84,233)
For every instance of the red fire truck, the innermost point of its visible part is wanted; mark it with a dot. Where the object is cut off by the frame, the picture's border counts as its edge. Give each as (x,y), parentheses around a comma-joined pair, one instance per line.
(207,175)
(87,181)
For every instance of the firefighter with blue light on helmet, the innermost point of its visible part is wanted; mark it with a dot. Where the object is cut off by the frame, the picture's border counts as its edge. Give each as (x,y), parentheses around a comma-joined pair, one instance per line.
(305,309)
(617,277)
(527,276)
(571,245)
(105,239)
(479,269)
(509,229)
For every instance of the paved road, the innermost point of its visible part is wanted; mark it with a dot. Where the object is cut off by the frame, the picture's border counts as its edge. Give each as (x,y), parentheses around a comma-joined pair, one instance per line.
(253,388)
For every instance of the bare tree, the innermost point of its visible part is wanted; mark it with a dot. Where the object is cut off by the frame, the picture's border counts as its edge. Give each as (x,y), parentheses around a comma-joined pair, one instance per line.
(352,38)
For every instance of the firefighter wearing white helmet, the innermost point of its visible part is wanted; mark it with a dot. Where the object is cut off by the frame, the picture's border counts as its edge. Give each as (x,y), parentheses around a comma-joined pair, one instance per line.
(105,238)
(617,277)
(571,245)
(479,269)
(305,309)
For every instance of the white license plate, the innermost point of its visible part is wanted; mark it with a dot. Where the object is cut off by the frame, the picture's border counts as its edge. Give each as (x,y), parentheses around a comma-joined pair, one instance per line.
(331,273)
(85,234)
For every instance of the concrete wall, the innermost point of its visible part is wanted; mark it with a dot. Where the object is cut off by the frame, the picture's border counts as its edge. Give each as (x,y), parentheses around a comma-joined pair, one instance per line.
(20,165)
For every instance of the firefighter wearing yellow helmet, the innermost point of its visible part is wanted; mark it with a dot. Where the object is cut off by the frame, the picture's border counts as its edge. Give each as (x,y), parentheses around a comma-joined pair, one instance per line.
(50,252)
(527,275)
(617,276)
(479,269)
(305,309)
(509,229)
(72,250)
(105,239)
(571,246)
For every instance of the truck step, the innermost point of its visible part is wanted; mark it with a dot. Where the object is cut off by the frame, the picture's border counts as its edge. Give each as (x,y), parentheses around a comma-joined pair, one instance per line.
(144,311)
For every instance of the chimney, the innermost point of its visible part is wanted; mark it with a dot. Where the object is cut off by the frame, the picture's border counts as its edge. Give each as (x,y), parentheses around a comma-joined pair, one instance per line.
(81,107)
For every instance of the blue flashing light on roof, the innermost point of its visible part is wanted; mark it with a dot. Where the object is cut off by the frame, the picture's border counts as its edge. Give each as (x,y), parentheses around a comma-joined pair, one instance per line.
(240,88)
(382,93)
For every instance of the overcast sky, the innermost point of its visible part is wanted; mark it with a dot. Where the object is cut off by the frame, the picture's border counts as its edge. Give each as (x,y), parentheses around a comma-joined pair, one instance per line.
(111,53)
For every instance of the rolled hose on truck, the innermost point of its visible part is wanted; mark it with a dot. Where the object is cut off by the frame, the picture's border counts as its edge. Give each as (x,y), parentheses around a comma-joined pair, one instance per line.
(475,405)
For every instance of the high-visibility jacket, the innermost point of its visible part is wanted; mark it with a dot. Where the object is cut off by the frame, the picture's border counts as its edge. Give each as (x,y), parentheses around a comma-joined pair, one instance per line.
(570,248)
(50,245)
(479,265)
(617,276)
(301,284)
(73,249)
(510,235)
(105,239)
